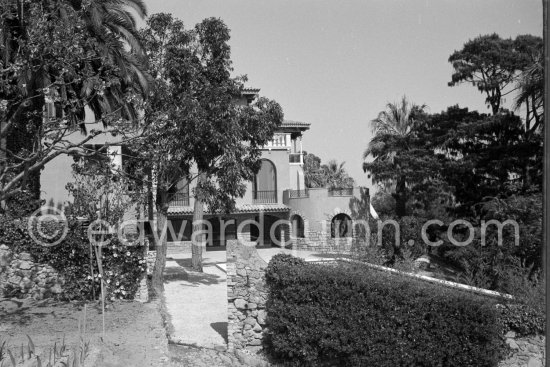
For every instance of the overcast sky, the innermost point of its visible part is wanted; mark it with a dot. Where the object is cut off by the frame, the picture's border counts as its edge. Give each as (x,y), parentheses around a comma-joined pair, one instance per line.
(335,64)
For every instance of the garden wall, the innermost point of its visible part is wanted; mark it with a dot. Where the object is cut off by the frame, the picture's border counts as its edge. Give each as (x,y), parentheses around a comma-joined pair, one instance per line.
(21,277)
(247,294)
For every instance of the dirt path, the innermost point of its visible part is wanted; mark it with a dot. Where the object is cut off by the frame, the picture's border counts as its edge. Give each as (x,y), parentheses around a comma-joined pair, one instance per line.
(197,305)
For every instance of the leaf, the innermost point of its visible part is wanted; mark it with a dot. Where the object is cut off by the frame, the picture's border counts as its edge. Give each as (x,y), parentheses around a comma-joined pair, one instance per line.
(31,345)
(12,358)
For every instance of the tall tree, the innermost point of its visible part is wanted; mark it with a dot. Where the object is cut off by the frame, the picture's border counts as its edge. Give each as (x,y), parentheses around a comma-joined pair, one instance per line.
(489,63)
(530,81)
(393,131)
(194,119)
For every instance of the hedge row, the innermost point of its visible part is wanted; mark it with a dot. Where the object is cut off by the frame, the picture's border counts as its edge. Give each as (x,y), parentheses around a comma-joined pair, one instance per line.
(349,315)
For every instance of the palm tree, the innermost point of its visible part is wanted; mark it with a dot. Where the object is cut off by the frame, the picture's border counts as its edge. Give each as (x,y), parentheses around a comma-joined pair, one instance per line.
(115,40)
(336,176)
(392,129)
(114,27)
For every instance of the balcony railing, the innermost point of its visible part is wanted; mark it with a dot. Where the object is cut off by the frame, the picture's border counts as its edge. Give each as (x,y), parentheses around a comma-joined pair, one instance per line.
(348,191)
(264,197)
(278,141)
(295,158)
(178,199)
(293,194)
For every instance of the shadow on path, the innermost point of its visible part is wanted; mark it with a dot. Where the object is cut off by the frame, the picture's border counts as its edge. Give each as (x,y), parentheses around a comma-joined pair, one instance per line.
(221,328)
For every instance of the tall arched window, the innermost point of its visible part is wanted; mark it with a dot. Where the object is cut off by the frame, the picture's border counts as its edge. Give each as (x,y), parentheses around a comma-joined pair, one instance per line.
(340,226)
(297,226)
(265,183)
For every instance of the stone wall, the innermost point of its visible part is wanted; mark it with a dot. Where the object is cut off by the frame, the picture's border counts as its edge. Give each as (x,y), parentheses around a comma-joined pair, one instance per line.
(247,294)
(319,240)
(525,351)
(21,277)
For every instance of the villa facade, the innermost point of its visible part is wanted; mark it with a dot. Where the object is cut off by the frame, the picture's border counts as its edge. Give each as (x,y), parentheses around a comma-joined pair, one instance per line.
(276,210)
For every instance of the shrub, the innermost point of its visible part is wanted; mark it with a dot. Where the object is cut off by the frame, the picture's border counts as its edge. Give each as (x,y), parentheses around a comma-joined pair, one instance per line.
(350,315)
(123,263)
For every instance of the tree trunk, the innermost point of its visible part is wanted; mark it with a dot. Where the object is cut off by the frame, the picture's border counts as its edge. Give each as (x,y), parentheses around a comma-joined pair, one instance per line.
(160,259)
(197,245)
(400,198)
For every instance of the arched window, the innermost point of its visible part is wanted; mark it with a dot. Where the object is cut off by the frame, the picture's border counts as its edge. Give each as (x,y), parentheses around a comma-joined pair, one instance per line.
(297,226)
(265,184)
(340,226)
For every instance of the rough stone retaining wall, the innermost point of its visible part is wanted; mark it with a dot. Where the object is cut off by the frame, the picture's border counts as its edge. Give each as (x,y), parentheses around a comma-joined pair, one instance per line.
(315,240)
(525,351)
(20,275)
(247,294)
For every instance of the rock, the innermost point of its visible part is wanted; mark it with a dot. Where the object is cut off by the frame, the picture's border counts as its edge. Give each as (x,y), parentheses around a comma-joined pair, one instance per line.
(252,306)
(241,272)
(257,327)
(240,303)
(533,362)
(56,289)
(227,361)
(25,256)
(250,320)
(261,317)
(512,343)
(533,349)
(255,342)
(25,265)
(510,334)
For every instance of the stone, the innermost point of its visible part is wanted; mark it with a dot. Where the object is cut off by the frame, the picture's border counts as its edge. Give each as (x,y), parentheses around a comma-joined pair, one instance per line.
(240,303)
(252,306)
(255,342)
(56,289)
(533,349)
(250,321)
(510,334)
(261,317)
(241,272)
(512,343)
(14,279)
(25,256)
(257,327)
(533,362)
(25,265)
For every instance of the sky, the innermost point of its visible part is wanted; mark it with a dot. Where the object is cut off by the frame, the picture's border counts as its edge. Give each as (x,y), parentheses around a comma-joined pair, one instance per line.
(336,64)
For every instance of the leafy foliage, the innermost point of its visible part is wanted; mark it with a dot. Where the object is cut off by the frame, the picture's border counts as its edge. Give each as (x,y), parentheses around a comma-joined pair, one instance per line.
(354,316)
(124,263)
(72,56)
(196,118)
(330,175)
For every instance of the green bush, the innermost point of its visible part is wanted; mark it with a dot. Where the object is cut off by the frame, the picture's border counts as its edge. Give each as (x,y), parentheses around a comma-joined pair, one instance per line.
(351,315)
(123,263)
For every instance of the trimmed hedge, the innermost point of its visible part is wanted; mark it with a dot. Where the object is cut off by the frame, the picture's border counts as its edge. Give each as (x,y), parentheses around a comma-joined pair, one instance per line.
(350,315)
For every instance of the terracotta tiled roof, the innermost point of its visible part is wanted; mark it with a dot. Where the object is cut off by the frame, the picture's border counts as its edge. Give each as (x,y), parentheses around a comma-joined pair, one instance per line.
(290,123)
(242,208)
